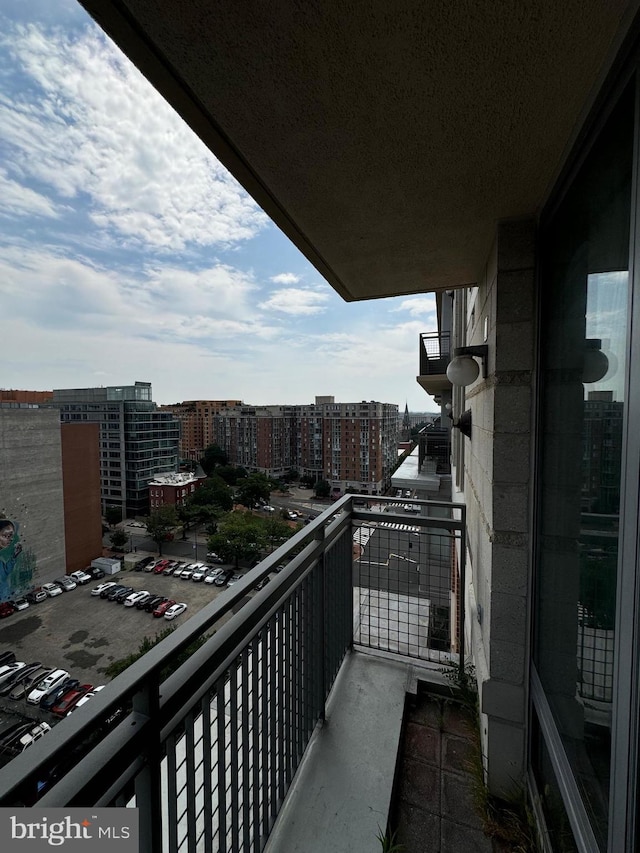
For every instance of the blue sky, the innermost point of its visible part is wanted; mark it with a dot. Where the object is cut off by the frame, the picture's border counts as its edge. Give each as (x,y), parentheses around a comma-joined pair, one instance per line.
(127,252)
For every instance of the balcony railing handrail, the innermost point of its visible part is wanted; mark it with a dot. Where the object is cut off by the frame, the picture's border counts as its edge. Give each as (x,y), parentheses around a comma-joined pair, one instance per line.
(130,753)
(435,352)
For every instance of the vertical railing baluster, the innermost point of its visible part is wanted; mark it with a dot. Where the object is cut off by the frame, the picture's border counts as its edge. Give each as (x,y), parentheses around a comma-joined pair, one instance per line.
(191,782)
(148,781)
(207,792)
(222,764)
(233,752)
(256,831)
(246,769)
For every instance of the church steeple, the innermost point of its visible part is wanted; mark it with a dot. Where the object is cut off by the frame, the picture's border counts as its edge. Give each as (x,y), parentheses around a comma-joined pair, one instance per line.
(406,424)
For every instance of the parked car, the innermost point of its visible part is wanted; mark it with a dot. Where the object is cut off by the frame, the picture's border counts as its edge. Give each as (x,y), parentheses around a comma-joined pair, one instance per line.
(7,657)
(261,584)
(199,574)
(162,608)
(47,685)
(212,557)
(36,596)
(142,602)
(95,572)
(52,589)
(11,734)
(86,698)
(18,676)
(186,574)
(26,686)
(151,566)
(20,603)
(66,583)
(141,564)
(29,738)
(160,566)
(101,587)
(47,702)
(150,606)
(6,609)
(80,577)
(10,669)
(175,610)
(212,574)
(172,566)
(136,524)
(223,577)
(120,596)
(106,592)
(134,597)
(69,700)
(234,579)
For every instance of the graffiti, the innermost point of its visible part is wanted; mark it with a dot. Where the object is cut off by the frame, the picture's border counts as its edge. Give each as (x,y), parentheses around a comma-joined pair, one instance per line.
(16,564)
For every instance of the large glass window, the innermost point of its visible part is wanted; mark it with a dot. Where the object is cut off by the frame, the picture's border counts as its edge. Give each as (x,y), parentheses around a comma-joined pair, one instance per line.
(585,252)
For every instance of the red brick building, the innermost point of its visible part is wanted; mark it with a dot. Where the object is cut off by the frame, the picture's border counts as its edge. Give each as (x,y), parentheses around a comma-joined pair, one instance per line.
(81,493)
(172,489)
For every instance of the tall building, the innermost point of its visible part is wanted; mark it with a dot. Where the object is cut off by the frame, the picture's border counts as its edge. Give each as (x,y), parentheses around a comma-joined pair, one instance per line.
(352,445)
(137,440)
(197,421)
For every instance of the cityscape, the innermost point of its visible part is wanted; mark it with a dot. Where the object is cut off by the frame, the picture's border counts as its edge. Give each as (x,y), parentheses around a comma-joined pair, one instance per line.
(319,503)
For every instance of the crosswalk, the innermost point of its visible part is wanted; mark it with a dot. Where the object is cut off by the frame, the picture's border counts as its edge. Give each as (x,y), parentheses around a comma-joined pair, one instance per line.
(408,528)
(363,534)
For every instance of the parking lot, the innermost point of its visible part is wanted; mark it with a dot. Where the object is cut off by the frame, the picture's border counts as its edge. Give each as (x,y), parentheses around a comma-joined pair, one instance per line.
(84,634)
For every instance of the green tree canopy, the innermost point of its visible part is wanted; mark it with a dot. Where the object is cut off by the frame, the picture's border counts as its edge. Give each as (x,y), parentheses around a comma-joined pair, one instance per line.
(161,523)
(113,515)
(276,531)
(213,492)
(240,536)
(322,489)
(118,539)
(212,457)
(231,473)
(253,489)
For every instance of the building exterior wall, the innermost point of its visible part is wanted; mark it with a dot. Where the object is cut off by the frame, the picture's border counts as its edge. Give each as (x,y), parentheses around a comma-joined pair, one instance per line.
(11,396)
(31,496)
(137,441)
(172,490)
(81,487)
(493,476)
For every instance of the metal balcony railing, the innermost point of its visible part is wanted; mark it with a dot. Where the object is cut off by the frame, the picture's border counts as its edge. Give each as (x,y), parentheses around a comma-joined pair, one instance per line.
(206,744)
(434,353)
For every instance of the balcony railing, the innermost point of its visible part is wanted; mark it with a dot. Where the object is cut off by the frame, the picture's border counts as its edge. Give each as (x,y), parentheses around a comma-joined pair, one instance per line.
(434,353)
(206,748)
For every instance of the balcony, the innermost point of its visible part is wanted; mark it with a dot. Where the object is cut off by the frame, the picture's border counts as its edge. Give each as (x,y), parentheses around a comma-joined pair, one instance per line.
(205,734)
(434,358)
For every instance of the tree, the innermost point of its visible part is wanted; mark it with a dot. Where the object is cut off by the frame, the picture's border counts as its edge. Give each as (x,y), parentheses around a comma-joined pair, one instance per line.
(113,515)
(118,539)
(240,536)
(161,523)
(214,492)
(276,531)
(231,474)
(322,489)
(212,457)
(253,489)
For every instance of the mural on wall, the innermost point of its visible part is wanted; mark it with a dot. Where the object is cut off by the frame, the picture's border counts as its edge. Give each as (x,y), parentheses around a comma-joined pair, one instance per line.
(17,564)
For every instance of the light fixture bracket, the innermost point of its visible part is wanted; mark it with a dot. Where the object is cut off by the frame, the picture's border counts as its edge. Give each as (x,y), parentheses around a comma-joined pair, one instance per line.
(480,351)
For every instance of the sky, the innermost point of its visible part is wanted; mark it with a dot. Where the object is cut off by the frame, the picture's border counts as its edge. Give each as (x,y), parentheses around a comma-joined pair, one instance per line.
(128,252)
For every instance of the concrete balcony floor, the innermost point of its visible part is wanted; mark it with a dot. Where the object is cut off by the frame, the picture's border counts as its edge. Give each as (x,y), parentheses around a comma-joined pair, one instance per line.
(380,726)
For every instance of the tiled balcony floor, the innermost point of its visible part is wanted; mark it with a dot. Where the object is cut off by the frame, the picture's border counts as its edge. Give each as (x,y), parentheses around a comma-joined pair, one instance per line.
(434,806)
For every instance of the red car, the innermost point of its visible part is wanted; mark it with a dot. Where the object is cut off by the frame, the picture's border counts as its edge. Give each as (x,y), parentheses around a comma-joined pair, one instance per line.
(162,608)
(70,699)
(159,568)
(6,609)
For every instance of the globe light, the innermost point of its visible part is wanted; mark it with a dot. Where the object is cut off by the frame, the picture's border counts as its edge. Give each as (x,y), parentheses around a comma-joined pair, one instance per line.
(595,363)
(463,370)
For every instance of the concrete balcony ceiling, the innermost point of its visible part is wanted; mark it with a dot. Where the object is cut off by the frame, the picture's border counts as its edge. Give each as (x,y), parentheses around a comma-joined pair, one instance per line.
(384,141)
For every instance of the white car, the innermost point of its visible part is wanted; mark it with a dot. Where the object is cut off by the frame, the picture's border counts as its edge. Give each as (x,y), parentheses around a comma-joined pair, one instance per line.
(135,524)
(175,610)
(66,583)
(32,736)
(86,698)
(52,589)
(133,598)
(106,585)
(8,670)
(80,577)
(199,573)
(212,574)
(47,685)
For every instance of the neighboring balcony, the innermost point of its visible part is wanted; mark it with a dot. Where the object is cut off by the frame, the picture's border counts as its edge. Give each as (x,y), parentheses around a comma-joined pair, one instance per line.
(435,355)
(205,733)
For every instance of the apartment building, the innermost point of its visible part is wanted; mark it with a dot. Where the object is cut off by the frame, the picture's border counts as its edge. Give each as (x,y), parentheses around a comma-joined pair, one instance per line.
(197,422)
(488,153)
(137,440)
(172,489)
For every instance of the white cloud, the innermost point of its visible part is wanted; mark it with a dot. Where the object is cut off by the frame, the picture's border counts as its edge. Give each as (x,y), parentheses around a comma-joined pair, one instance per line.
(296,301)
(285,278)
(17,200)
(417,306)
(93,125)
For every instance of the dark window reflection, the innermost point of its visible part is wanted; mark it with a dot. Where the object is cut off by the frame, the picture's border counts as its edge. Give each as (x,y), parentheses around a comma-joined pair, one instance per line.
(585,286)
